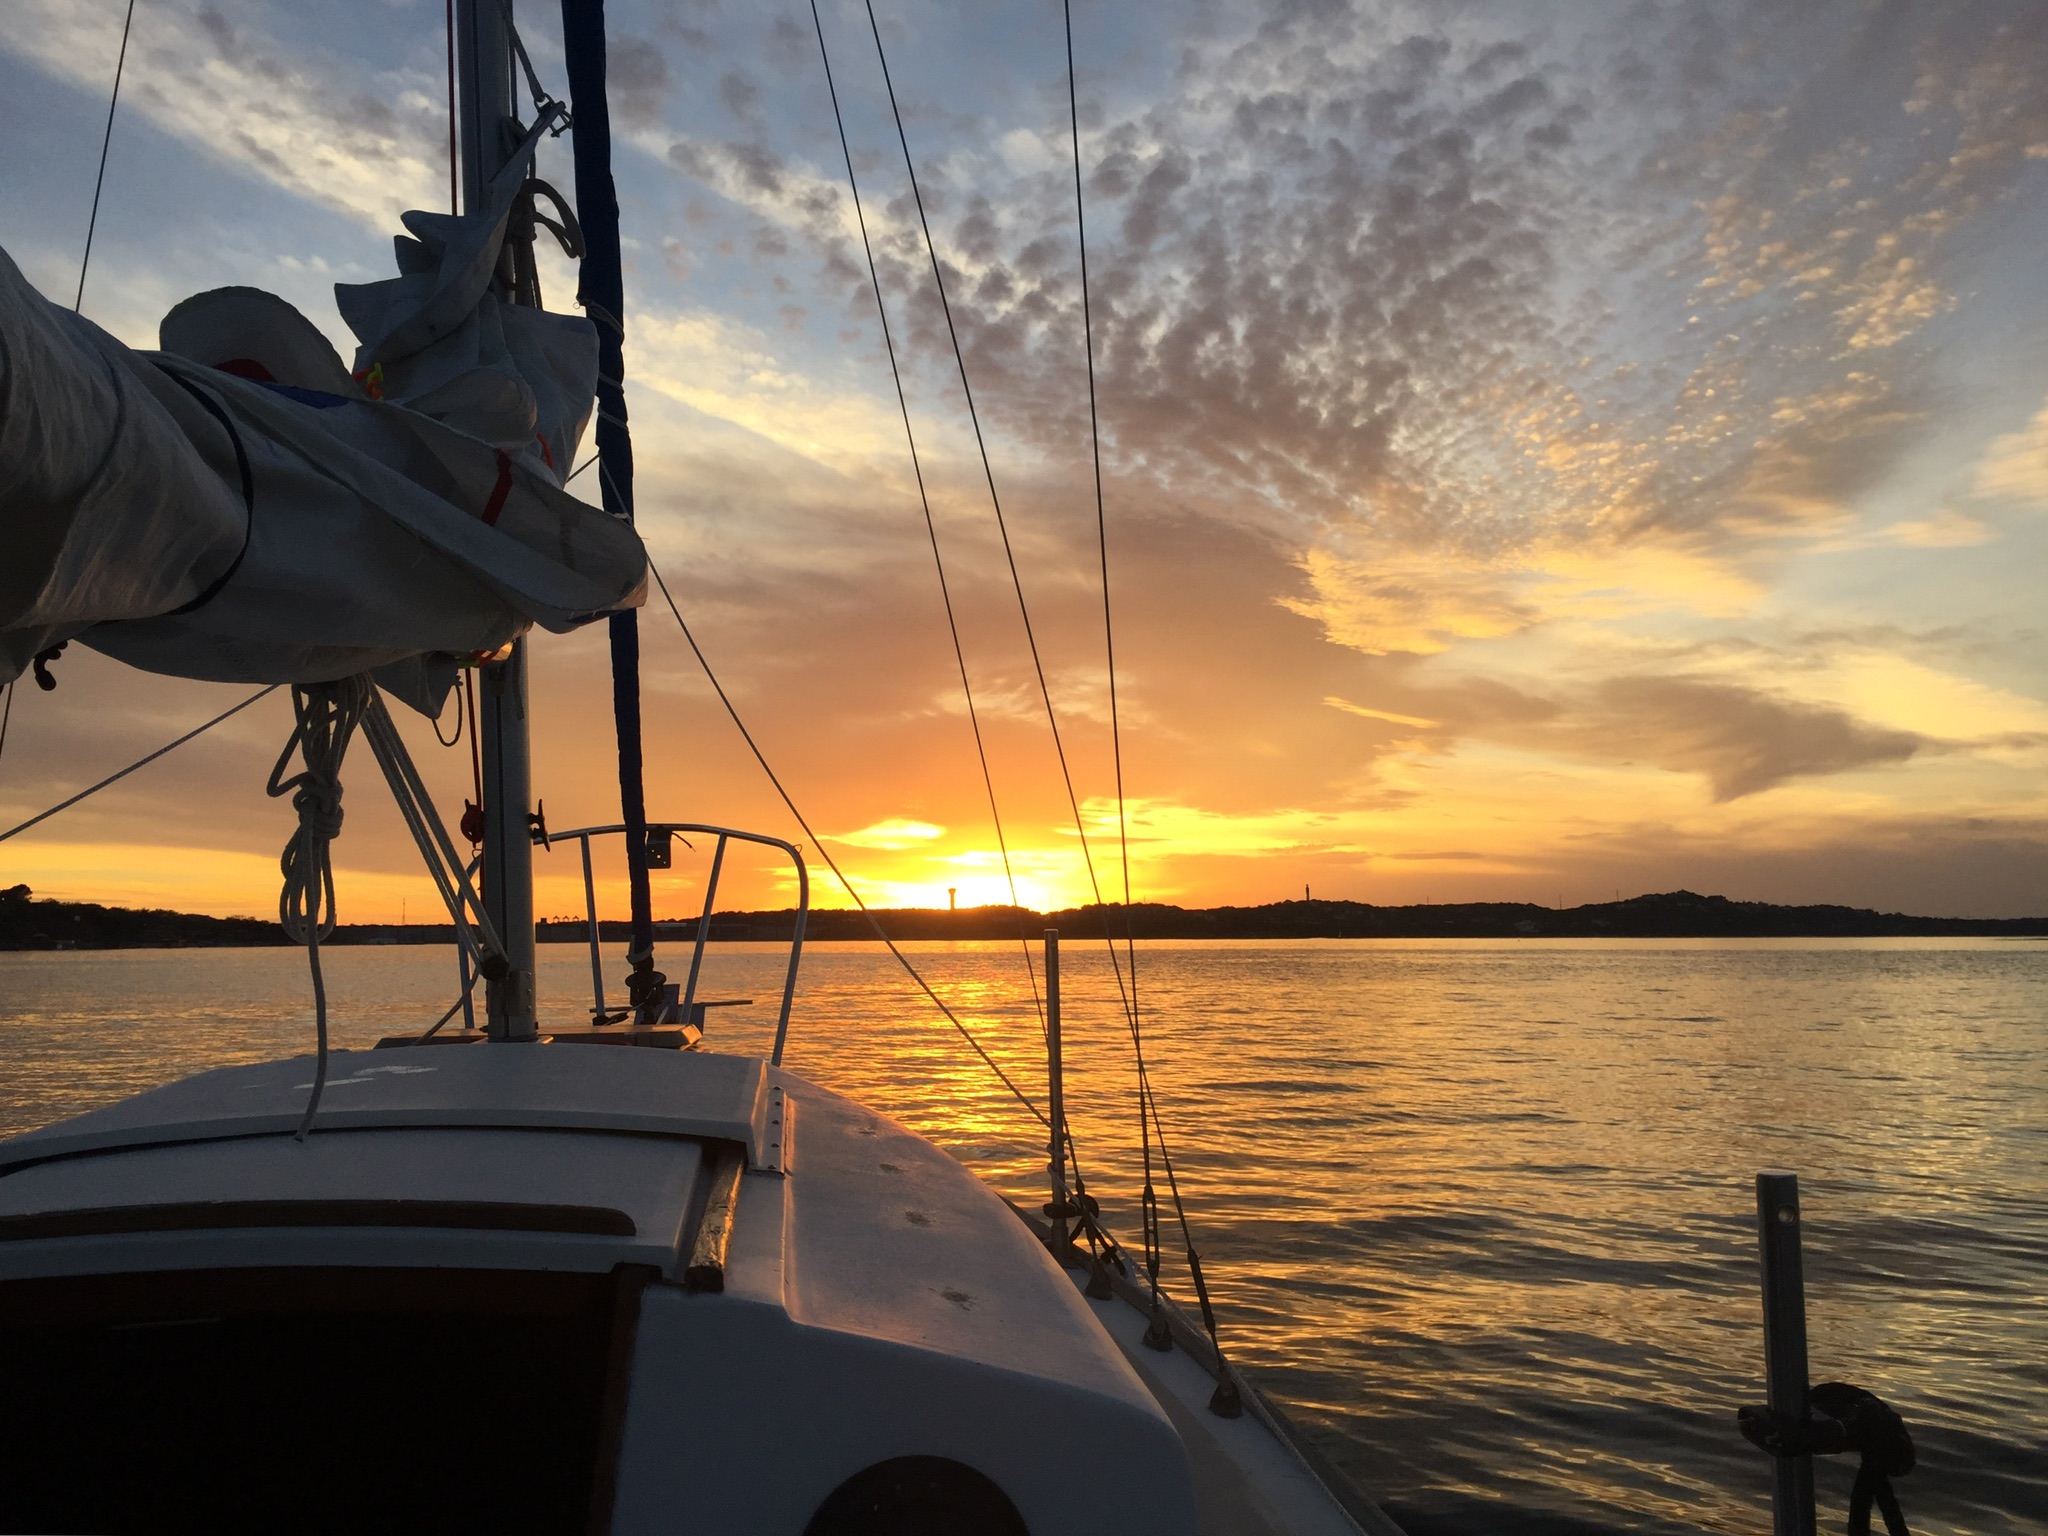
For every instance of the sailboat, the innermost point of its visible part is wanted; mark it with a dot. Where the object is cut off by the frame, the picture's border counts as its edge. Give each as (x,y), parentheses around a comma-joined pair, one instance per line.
(497,1278)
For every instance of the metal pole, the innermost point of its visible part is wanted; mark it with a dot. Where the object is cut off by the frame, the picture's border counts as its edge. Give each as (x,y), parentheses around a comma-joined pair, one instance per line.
(465,960)
(703,933)
(462,984)
(483,47)
(1784,1284)
(508,846)
(597,1008)
(483,54)
(796,951)
(1056,1101)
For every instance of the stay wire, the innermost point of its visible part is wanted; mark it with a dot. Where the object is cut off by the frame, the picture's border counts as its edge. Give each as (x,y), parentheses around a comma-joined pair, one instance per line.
(832,863)
(140,762)
(1148,1110)
(930,525)
(1180,1212)
(462,998)
(1123,837)
(1101,519)
(454,157)
(995,500)
(1126,994)
(6,714)
(106,140)
(1148,1106)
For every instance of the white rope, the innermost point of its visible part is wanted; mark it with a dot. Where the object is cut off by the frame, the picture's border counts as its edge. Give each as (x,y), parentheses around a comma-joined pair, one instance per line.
(327,716)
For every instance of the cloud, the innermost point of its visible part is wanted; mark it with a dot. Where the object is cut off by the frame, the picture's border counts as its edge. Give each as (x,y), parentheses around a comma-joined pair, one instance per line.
(1352,274)
(1360,710)
(727,369)
(1409,292)
(894,834)
(366,139)
(2016,464)
(1901,694)
(1740,740)
(1946,529)
(636,80)
(1398,602)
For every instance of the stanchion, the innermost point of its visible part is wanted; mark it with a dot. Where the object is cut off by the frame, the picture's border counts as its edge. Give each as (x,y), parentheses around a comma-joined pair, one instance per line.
(1784,1284)
(1056,1108)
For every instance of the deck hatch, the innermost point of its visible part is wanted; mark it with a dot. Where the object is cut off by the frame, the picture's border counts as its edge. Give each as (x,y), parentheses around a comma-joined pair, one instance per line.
(684,1095)
(219,1215)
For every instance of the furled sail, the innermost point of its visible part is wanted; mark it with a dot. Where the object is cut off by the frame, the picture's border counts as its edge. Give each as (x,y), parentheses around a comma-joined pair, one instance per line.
(240,507)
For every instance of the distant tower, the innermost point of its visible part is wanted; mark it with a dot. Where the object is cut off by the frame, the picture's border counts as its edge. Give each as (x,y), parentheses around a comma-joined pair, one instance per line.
(1305,895)
(952,898)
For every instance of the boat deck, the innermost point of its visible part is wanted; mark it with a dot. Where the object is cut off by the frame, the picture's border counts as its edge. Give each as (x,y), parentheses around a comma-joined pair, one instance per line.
(807,1264)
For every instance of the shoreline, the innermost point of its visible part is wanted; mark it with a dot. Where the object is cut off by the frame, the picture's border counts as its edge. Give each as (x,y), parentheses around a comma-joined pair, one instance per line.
(27,924)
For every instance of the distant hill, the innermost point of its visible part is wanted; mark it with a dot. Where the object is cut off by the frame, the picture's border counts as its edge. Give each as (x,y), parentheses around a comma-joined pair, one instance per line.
(27,923)
(1673,915)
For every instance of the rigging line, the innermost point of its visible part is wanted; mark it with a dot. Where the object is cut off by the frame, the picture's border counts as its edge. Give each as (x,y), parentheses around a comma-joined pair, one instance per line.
(542,101)
(580,468)
(106,139)
(988,473)
(1123,837)
(6,714)
(455,1007)
(141,762)
(1180,1212)
(930,525)
(454,158)
(1109,647)
(832,863)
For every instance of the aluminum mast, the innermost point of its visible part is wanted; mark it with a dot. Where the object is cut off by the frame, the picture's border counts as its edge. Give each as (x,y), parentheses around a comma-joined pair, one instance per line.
(483,45)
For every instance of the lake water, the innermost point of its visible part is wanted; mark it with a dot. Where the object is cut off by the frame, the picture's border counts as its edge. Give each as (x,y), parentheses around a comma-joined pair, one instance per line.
(1481,1213)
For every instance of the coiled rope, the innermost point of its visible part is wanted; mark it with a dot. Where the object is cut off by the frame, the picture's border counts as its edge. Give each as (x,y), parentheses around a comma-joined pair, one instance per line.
(326,717)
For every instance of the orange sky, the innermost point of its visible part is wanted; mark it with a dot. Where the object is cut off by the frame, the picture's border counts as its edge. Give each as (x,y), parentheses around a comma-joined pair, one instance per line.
(1597,476)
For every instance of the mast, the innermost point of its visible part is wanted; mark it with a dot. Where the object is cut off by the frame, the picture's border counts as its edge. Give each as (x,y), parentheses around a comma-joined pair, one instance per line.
(483,45)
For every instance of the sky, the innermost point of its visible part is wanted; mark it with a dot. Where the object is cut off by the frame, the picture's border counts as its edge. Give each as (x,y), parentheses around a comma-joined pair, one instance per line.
(1549,452)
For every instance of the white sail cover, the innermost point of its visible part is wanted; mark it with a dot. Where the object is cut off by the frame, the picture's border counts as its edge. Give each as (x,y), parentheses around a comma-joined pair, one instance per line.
(239,507)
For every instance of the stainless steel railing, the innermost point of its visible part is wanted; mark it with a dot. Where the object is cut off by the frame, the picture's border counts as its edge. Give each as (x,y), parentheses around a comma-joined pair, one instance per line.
(666,829)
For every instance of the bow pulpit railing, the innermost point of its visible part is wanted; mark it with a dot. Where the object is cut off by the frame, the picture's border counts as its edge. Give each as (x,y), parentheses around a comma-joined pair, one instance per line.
(658,834)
